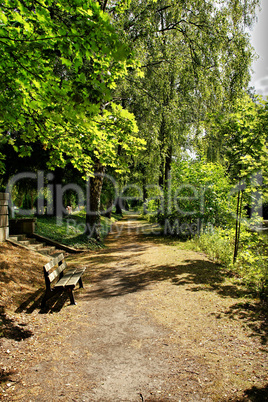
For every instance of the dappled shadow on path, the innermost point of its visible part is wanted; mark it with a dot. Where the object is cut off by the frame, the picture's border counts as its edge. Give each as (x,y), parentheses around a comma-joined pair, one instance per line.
(197,275)
(118,270)
(130,277)
(254,394)
(254,315)
(200,275)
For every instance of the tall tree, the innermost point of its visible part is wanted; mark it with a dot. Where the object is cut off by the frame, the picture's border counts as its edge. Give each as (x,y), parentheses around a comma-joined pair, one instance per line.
(59,62)
(195,58)
(244,133)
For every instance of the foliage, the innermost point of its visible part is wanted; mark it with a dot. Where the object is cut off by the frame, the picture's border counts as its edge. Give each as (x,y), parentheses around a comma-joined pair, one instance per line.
(252,261)
(195,58)
(243,132)
(200,196)
(251,267)
(27,204)
(59,63)
(217,244)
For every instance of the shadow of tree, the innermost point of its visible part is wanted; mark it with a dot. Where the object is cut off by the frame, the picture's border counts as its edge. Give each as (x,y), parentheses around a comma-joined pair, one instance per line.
(198,274)
(161,238)
(7,375)
(254,394)
(206,275)
(126,276)
(255,316)
(11,329)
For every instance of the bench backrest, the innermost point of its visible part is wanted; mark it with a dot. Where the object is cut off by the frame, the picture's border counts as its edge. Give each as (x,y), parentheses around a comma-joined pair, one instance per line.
(53,269)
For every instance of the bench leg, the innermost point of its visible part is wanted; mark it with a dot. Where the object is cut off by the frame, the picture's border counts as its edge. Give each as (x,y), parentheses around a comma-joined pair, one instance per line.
(71,296)
(80,283)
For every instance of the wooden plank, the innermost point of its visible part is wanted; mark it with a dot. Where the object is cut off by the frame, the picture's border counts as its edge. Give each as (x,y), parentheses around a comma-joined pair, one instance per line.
(54,274)
(53,262)
(4,208)
(70,278)
(4,234)
(66,277)
(76,276)
(4,196)
(3,220)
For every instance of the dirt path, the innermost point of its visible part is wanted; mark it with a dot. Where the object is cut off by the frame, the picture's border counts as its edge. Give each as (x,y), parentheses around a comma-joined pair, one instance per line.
(154,323)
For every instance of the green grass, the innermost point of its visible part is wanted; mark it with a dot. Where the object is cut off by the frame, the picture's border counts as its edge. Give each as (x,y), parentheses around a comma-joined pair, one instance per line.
(71,230)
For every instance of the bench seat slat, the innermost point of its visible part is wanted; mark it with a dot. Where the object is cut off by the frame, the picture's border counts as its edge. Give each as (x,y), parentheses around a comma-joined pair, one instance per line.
(67,275)
(70,278)
(75,278)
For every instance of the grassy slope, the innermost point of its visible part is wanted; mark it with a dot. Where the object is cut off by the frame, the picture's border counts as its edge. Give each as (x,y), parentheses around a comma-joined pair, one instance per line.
(71,230)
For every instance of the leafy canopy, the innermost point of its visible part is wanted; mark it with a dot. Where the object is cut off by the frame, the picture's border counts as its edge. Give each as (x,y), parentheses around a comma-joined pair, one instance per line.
(195,59)
(59,62)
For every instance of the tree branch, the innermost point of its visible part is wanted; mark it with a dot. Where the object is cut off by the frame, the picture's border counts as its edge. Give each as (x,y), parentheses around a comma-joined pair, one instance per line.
(104,5)
(144,90)
(39,39)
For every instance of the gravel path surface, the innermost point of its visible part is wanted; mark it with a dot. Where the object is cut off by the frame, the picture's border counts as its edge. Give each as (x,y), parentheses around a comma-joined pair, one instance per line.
(153,323)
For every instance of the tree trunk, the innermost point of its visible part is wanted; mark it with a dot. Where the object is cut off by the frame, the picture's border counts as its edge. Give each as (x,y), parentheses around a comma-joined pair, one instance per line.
(168,160)
(238,223)
(55,202)
(164,179)
(119,206)
(162,156)
(109,206)
(93,215)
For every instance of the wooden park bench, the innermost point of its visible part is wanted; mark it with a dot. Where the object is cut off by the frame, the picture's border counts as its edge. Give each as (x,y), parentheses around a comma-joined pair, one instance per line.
(64,278)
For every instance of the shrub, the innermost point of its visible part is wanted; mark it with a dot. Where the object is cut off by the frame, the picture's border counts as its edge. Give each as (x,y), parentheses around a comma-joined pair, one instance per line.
(200,196)
(217,244)
(251,265)
(252,261)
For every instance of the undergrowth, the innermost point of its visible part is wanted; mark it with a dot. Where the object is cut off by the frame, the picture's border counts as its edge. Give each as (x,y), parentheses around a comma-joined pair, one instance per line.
(251,265)
(70,230)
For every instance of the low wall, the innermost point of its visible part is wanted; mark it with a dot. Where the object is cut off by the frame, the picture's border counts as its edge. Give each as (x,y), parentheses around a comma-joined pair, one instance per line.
(4,229)
(22,226)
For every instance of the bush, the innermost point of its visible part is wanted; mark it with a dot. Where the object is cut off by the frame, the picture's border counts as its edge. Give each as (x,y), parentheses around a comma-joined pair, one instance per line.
(252,261)
(200,197)
(27,202)
(217,244)
(251,265)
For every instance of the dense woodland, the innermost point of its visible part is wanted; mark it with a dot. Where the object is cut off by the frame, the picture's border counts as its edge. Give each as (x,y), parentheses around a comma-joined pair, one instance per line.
(151,93)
